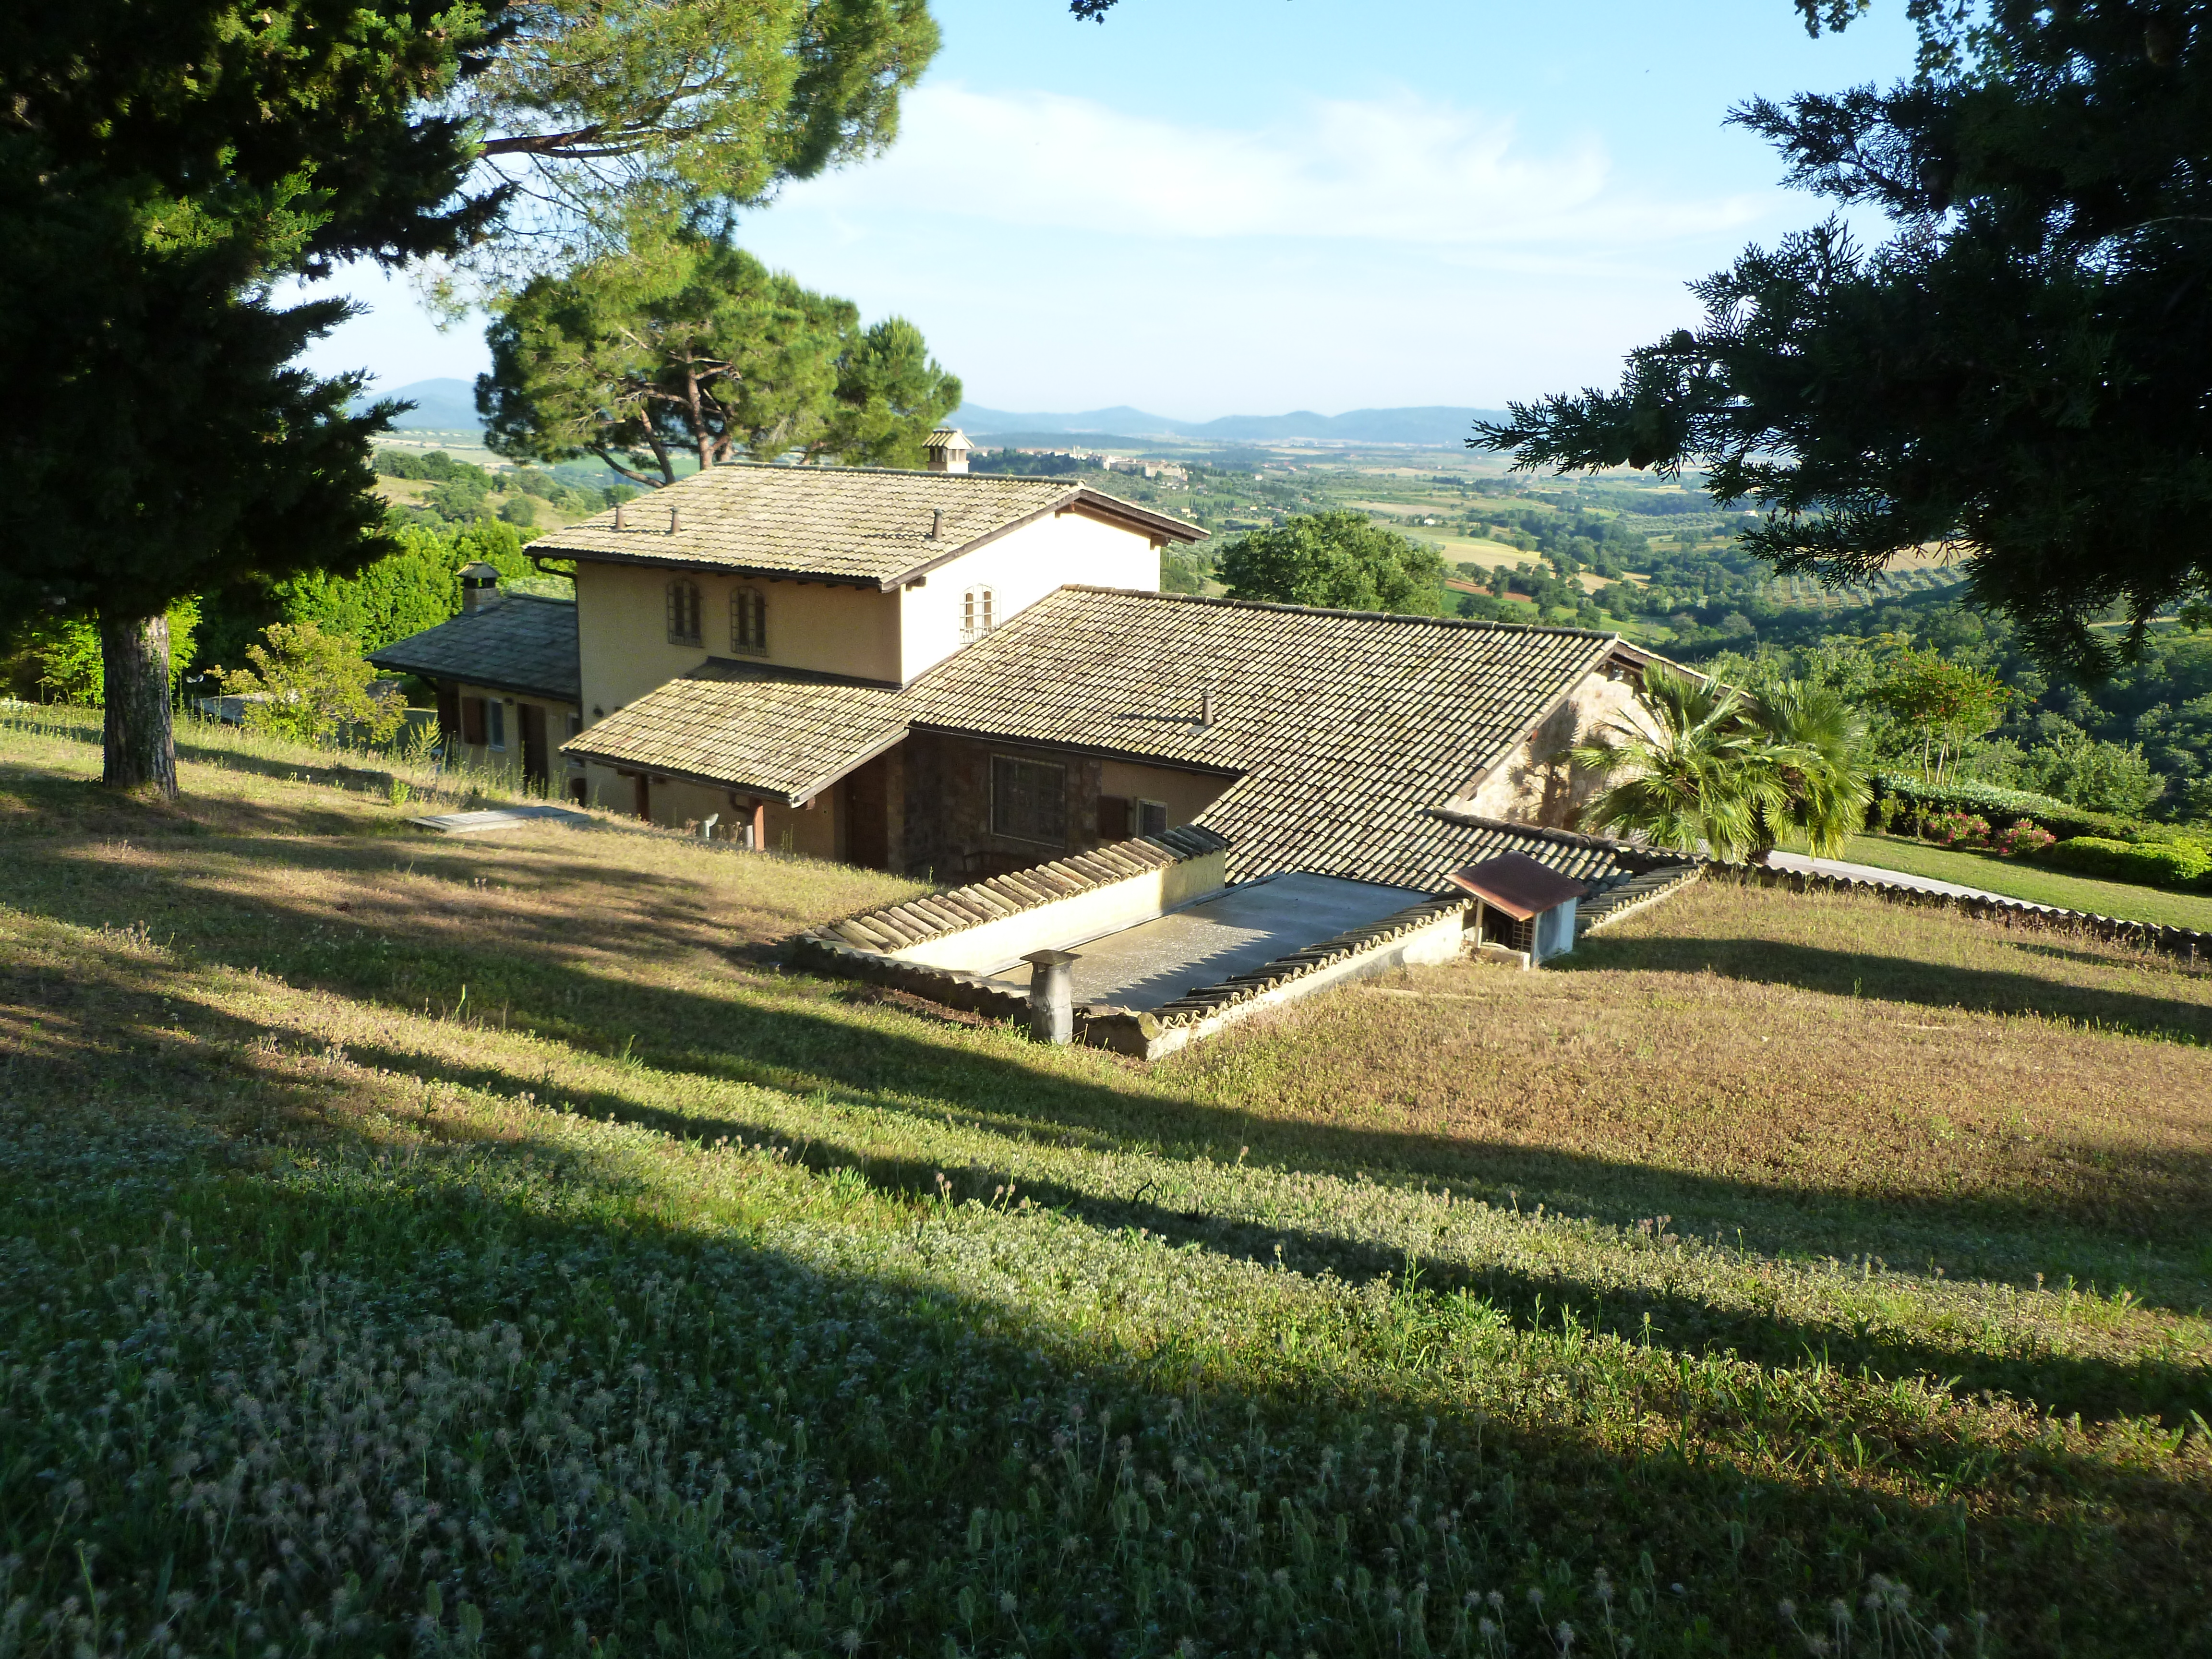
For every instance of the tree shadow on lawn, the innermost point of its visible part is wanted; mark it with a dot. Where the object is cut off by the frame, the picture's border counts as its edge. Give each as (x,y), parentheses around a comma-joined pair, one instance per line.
(969,1390)
(1892,979)
(2094,1387)
(795,1035)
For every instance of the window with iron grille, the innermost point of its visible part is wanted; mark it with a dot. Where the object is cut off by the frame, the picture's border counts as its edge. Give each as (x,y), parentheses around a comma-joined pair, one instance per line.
(1151,818)
(682,613)
(979,614)
(749,622)
(1029,800)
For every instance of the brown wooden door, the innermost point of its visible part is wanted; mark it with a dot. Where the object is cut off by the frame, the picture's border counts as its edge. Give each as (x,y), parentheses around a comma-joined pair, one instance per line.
(533,743)
(867,815)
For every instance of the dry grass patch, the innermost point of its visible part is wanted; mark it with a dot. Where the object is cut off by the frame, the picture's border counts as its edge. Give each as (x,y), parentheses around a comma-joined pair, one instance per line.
(1471,1284)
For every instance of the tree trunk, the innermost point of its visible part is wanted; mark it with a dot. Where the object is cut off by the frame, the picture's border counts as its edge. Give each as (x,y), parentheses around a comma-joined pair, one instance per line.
(141,747)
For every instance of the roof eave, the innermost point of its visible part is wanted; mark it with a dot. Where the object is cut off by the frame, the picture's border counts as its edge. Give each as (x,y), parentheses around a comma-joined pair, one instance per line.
(578,747)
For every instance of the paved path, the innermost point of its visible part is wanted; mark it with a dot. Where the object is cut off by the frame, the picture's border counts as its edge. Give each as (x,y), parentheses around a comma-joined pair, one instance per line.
(1895,878)
(501,817)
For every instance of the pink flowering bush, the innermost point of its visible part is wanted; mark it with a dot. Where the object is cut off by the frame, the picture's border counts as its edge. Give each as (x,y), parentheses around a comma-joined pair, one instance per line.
(1956,829)
(2023,838)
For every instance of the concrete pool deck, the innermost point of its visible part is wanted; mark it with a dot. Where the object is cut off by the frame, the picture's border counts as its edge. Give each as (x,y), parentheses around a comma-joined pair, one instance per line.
(1155,962)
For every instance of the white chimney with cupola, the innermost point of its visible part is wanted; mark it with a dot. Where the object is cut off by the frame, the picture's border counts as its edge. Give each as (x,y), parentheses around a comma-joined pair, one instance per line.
(479,588)
(947,448)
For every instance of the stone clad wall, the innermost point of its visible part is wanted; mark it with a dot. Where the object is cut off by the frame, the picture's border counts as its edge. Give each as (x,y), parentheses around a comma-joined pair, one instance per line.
(948,809)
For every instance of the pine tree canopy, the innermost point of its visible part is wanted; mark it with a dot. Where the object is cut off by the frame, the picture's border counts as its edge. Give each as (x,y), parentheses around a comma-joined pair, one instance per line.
(684,344)
(2021,372)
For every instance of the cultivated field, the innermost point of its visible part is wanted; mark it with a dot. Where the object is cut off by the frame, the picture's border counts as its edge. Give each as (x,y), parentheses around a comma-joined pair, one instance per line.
(483,1246)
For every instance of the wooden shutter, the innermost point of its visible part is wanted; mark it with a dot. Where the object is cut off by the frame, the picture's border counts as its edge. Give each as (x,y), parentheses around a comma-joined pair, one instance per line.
(449,711)
(472,719)
(1113,818)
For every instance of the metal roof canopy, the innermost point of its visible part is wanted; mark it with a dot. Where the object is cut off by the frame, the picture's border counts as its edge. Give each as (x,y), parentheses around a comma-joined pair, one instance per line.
(1517,884)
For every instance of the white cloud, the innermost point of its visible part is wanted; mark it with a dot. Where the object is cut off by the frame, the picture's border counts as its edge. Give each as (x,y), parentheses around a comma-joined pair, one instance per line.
(1406,170)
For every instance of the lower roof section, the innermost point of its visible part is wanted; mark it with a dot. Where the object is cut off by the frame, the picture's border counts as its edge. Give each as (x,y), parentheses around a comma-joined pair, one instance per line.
(518,642)
(752,727)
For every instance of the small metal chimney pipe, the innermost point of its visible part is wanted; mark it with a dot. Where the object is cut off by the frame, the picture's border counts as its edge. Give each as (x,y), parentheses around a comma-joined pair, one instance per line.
(618,507)
(671,521)
(1052,995)
(937,524)
(1205,707)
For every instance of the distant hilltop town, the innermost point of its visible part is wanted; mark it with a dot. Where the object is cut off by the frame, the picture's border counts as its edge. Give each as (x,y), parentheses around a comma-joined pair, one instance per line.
(1166,471)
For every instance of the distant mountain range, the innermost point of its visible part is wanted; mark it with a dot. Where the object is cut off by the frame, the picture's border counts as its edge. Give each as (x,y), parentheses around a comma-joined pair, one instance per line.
(439,405)
(450,406)
(1430,426)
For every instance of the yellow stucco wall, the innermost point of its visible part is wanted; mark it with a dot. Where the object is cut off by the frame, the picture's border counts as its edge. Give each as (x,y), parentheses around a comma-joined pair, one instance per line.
(509,758)
(678,804)
(1020,569)
(1534,785)
(1185,794)
(622,617)
(621,611)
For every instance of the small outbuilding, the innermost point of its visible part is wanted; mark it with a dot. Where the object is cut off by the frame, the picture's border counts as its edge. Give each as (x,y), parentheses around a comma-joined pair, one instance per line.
(1525,906)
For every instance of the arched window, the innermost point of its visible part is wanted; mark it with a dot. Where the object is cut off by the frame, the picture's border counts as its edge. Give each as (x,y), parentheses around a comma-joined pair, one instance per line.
(979,613)
(682,612)
(749,623)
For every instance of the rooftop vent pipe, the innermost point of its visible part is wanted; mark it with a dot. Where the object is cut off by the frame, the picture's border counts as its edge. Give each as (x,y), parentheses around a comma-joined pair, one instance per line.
(937,524)
(1205,707)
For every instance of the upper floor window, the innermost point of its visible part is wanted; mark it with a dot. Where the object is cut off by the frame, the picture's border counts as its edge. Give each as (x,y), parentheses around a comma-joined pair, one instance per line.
(682,613)
(979,613)
(749,623)
(1029,800)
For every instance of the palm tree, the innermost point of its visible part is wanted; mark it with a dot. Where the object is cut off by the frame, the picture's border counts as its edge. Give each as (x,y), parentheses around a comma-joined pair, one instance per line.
(1815,751)
(1699,783)
(1720,772)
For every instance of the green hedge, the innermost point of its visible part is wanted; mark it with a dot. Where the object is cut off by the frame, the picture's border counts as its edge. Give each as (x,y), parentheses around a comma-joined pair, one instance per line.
(2183,865)
(2002,806)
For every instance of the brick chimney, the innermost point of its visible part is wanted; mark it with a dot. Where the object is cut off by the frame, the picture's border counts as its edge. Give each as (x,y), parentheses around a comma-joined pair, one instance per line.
(947,448)
(479,588)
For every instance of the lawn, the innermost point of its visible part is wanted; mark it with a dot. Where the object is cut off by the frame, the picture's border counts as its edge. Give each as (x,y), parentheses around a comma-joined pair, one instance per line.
(486,1245)
(2021,879)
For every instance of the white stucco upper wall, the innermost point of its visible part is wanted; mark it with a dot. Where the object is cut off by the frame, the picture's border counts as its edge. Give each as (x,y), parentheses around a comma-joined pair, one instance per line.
(1020,568)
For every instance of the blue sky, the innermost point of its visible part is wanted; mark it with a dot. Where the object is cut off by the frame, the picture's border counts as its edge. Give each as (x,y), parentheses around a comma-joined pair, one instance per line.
(1216,206)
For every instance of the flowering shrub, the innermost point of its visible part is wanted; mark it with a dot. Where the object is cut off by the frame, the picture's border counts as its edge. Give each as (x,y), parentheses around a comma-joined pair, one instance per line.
(2024,839)
(1956,830)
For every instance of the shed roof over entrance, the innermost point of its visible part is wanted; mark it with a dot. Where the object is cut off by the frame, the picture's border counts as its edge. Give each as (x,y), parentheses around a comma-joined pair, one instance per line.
(1517,884)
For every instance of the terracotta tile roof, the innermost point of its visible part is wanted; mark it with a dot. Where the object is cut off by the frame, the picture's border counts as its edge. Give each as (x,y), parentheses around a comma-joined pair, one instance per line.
(522,643)
(871,525)
(750,726)
(1345,732)
(920,921)
(1347,727)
